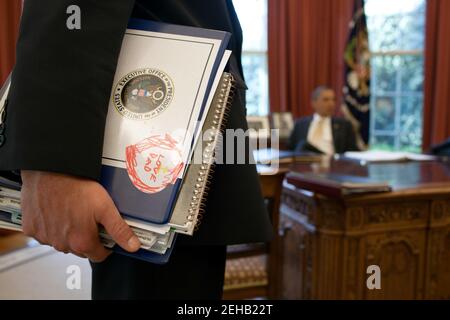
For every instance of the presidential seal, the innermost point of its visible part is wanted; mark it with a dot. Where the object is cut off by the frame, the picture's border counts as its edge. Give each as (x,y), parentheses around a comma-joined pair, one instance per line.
(143,94)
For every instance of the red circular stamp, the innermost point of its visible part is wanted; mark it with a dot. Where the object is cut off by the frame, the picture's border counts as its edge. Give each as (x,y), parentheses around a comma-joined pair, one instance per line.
(154,163)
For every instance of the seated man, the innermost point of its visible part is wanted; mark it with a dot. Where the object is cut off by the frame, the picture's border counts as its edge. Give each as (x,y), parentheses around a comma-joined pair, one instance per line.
(323,133)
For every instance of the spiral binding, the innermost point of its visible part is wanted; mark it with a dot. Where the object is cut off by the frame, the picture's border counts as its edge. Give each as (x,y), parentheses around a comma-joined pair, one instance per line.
(3,101)
(206,172)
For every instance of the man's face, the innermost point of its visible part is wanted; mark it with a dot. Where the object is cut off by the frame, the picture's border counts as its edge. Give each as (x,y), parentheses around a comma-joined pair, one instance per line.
(324,104)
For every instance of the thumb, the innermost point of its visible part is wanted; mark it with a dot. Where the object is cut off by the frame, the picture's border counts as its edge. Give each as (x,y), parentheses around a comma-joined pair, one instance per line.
(117,228)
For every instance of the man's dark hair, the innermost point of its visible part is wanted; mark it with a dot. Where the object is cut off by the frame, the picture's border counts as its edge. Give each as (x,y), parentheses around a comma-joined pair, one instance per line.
(318,91)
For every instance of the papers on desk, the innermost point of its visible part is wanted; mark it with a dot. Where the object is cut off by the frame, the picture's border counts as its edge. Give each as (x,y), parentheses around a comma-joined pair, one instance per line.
(387,156)
(271,156)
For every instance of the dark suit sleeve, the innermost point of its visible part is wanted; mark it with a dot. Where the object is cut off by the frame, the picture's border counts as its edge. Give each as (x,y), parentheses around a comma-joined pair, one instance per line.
(293,138)
(61,86)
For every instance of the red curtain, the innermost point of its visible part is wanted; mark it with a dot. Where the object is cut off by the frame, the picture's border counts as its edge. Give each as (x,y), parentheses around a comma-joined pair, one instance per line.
(306,49)
(436,116)
(10,11)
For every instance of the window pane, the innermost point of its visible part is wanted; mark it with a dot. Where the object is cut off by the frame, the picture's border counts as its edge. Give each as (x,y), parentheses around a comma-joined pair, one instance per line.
(384,113)
(383,142)
(390,7)
(384,71)
(256,77)
(253,18)
(411,27)
(383,33)
(395,25)
(412,73)
(411,122)
(396,36)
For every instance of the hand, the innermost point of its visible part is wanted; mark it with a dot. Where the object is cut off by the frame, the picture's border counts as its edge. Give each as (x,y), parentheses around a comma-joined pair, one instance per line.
(64,211)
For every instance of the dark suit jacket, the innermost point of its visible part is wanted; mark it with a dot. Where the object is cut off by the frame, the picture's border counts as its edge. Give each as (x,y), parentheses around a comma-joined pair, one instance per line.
(343,135)
(61,86)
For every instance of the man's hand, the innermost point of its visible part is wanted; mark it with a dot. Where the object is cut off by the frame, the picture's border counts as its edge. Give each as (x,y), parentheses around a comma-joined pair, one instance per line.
(64,211)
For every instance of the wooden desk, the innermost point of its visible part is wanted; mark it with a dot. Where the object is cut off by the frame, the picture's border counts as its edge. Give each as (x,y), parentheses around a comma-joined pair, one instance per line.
(328,243)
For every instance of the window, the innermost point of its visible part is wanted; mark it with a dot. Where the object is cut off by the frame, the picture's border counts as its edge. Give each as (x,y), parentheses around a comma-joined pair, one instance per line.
(396,38)
(253,18)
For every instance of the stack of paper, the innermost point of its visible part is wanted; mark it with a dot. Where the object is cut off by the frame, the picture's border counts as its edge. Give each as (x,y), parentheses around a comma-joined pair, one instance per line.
(387,156)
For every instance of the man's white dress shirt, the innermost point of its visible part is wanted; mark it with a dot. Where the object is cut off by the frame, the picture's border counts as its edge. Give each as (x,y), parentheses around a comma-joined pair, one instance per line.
(320,134)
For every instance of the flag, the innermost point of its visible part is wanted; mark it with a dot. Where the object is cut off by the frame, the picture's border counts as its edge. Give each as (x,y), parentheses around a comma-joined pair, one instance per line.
(356,91)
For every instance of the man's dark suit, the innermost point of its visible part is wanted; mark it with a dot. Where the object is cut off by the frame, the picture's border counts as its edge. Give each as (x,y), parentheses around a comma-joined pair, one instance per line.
(57,110)
(342,132)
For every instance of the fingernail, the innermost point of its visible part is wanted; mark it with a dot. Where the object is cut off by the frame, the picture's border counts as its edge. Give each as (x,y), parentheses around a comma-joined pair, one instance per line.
(134,243)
